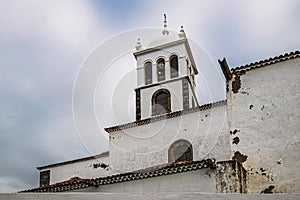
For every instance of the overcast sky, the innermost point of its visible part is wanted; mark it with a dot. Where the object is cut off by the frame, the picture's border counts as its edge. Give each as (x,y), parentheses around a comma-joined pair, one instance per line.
(44,43)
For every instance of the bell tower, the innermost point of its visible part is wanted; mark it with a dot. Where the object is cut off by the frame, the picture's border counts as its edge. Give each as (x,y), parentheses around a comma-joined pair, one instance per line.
(165,75)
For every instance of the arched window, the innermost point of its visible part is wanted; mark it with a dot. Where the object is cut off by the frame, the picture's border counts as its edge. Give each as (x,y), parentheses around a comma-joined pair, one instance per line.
(160,66)
(148,73)
(174,66)
(181,150)
(161,102)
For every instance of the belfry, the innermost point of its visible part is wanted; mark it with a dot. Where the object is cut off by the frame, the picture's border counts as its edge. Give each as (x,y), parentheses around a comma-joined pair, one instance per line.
(166,75)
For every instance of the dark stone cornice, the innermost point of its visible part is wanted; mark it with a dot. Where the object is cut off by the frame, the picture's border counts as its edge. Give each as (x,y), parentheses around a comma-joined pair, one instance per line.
(165,116)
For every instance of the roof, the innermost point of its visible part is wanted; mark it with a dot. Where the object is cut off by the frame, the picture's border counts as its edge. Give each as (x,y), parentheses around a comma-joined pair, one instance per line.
(164,39)
(225,68)
(143,196)
(104,154)
(161,170)
(266,62)
(262,63)
(165,116)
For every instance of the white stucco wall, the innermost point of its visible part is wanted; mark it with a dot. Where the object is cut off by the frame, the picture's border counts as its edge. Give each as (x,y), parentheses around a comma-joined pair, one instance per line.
(82,169)
(202,180)
(264,115)
(147,145)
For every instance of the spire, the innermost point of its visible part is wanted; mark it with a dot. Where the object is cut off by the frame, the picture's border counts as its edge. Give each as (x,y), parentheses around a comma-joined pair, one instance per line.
(165,31)
(138,45)
(182,33)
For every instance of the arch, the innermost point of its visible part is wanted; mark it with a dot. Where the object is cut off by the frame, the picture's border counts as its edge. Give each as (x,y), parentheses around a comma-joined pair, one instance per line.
(161,102)
(174,66)
(148,72)
(180,150)
(160,57)
(160,69)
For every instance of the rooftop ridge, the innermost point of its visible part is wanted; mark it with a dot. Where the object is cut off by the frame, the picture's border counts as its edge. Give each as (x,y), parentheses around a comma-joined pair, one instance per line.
(268,61)
(165,116)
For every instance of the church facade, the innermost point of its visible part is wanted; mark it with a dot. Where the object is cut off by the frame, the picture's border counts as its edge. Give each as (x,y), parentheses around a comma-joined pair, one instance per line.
(247,143)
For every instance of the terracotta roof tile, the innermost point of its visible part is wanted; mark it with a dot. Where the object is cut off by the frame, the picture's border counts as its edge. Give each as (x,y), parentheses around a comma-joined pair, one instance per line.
(266,62)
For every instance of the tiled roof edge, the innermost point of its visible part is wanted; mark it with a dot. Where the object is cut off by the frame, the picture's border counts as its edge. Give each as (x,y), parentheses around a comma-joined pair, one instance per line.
(61,187)
(166,116)
(269,61)
(172,168)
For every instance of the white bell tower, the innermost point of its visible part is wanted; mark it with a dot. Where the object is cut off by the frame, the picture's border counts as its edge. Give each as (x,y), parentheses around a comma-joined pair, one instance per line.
(165,75)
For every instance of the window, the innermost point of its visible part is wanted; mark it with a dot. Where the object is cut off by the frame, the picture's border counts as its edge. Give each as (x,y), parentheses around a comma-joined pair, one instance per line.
(148,73)
(181,150)
(161,102)
(160,66)
(174,66)
(44,178)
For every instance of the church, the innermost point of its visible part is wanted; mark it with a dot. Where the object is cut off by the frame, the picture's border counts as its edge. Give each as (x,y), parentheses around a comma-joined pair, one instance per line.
(246,143)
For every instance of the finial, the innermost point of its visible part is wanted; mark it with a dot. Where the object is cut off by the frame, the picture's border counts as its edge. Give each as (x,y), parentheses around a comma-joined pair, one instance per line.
(138,45)
(181,29)
(165,31)
(182,33)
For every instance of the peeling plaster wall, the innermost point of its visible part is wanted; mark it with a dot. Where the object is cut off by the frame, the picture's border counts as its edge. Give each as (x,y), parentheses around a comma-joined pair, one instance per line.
(263,117)
(147,145)
(82,169)
(231,177)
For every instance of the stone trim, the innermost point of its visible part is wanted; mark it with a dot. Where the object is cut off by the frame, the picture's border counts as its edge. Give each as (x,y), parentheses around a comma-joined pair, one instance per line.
(165,116)
(159,83)
(185,94)
(225,68)
(159,47)
(137,105)
(104,154)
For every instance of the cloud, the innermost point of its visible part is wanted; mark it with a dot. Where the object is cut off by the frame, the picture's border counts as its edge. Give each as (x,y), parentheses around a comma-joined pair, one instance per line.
(265,25)
(42,46)
(243,31)
(67,23)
